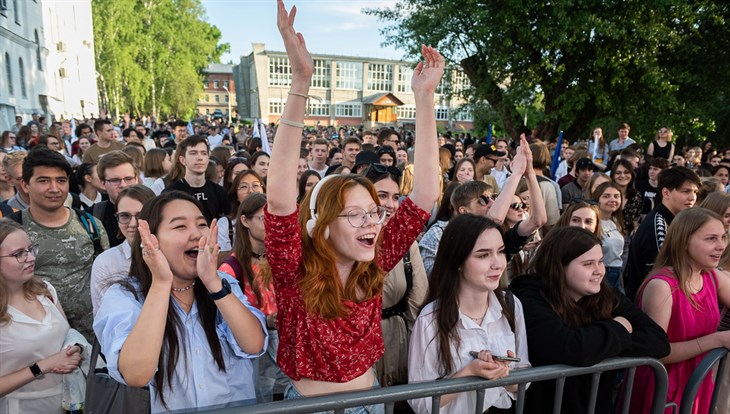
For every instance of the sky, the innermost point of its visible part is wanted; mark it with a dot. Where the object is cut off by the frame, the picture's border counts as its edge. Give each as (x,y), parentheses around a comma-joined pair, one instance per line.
(336,27)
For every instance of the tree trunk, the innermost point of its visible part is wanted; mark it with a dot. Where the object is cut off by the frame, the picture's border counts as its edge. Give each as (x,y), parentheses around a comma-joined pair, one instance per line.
(478,75)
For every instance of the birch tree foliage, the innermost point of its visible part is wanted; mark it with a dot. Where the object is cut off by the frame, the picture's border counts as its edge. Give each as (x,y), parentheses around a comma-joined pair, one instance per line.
(150,54)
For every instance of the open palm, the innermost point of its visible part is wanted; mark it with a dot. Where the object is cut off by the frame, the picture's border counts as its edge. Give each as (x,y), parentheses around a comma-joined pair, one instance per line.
(296,49)
(428,73)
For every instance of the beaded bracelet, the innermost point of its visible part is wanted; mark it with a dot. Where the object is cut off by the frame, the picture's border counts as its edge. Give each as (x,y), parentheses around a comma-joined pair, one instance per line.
(291,123)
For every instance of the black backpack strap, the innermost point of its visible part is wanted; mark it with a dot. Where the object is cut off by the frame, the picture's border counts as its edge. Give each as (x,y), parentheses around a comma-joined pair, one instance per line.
(230,231)
(87,220)
(237,269)
(99,209)
(399,309)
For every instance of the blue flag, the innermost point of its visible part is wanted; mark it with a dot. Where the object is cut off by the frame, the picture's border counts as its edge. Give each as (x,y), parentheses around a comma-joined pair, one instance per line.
(556,155)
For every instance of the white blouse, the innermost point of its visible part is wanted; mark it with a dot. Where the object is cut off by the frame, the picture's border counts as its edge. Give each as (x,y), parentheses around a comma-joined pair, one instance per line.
(24,341)
(494,335)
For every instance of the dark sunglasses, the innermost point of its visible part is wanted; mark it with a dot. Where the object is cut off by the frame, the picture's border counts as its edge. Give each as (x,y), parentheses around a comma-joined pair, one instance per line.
(485,200)
(382,169)
(517,206)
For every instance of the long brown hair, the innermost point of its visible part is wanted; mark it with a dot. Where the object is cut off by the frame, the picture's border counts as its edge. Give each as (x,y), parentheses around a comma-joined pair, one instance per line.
(560,247)
(242,244)
(33,287)
(455,248)
(618,215)
(174,333)
(320,284)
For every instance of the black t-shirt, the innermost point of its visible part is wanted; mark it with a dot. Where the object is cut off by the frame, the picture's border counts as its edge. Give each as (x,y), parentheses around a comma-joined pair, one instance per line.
(649,195)
(644,248)
(211,196)
(105,211)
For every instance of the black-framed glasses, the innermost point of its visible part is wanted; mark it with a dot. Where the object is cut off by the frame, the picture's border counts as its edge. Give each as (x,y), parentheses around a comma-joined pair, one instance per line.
(383,169)
(22,255)
(116,182)
(517,206)
(359,217)
(125,218)
(485,200)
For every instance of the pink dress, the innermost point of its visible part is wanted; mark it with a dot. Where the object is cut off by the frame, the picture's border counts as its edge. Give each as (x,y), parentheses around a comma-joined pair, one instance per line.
(687,323)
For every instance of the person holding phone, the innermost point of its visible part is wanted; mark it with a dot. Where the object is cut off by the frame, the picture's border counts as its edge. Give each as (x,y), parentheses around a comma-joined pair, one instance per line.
(574,317)
(469,319)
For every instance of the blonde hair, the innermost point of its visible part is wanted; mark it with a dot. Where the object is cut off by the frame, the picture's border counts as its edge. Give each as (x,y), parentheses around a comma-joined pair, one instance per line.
(673,254)
(33,287)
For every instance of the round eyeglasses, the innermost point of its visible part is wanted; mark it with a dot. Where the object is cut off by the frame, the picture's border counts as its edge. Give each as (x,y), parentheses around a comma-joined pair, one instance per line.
(359,217)
(22,255)
(125,218)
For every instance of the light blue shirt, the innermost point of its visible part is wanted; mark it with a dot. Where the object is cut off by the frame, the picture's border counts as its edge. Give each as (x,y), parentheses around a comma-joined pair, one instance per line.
(197,381)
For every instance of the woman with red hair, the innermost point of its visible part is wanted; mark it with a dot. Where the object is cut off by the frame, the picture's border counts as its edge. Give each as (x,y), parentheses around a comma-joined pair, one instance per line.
(329,259)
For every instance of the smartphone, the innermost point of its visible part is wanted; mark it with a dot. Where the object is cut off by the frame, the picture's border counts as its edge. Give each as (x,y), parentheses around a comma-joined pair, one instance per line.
(475,355)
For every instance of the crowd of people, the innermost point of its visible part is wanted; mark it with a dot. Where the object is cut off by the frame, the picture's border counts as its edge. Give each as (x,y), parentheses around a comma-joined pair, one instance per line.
(216,267)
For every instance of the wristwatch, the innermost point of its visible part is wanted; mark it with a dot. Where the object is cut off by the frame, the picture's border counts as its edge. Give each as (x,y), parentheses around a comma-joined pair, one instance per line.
(225,291)
(36,370)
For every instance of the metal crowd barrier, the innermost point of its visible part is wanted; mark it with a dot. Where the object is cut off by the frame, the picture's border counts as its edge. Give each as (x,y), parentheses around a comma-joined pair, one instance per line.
(435,389)
(699,374)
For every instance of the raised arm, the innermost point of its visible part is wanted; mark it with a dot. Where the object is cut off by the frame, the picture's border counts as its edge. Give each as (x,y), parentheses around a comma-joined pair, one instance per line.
(538,213)
(499,209)
(426,78)
(281,185)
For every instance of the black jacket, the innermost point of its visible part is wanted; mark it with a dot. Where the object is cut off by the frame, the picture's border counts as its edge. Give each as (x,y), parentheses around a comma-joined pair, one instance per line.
(645,246)
(552,341)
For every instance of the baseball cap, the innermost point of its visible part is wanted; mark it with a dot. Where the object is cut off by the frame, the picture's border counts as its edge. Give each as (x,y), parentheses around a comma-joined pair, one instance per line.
(365,157)
(487,149)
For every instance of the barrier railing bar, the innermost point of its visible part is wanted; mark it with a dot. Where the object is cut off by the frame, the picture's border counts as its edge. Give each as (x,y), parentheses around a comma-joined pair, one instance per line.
(628,388)
(558,399)
(595,380)
(434,389)
(436,404)
(521,389)
(698,375)
(480,401)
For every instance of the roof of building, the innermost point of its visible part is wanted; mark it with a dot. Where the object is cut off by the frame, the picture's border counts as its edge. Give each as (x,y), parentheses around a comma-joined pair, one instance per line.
(219,68)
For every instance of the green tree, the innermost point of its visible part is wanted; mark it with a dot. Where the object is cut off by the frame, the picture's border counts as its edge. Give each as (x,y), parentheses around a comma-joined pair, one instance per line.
(150,54)
(607,61)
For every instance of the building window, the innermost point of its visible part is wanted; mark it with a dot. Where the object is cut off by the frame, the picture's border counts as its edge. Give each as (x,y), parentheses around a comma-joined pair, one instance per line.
(349,110)
(4,6)
(279,71)
(21,72)
(349,75)
(206,84)
(225,84)
(404,79)
(217,99)
(9,72)
(464,113)
(380,77)
(207,111)
(16,11)
(460,81)
(216,84)
(276,106)
(321,76)
(226,98)
(319,108)
(442,113)
(406,112)
(207,98)
(38,51)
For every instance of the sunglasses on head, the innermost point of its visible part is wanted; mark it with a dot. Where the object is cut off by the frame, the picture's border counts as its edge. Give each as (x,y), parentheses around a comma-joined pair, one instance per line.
(383,169)
(485,200)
